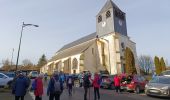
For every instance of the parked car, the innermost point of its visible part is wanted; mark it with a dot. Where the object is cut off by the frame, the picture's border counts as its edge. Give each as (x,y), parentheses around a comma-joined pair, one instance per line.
(158,86)
(137,84)
(33,74)
(107,81)
(5,80)
(165,73)
(10,74)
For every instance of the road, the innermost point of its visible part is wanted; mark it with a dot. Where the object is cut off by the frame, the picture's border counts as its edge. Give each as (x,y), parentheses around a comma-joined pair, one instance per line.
(78,95)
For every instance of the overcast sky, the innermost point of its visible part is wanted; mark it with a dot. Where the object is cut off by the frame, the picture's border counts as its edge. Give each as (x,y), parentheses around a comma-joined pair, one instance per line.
(63,21)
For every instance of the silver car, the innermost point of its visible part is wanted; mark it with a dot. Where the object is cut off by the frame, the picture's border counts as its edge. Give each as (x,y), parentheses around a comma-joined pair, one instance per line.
(158,86)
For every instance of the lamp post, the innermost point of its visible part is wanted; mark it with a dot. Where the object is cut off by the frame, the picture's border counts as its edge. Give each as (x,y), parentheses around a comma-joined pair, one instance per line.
(23,25)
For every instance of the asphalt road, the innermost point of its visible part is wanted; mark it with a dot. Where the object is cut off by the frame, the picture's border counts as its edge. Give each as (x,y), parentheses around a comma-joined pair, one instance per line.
(79,93)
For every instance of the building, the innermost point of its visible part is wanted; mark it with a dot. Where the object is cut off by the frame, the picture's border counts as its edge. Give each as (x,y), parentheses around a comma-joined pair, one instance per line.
(99,51)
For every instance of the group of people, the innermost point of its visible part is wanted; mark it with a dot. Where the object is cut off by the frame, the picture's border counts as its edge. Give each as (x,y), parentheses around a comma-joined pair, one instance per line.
(56,85)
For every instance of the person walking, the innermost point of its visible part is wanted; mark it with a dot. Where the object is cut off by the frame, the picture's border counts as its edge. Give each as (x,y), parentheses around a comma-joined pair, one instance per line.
(96,85)
(86,85)
(117,83)
(55,87)
(70,84)
(38,92)
(20,87)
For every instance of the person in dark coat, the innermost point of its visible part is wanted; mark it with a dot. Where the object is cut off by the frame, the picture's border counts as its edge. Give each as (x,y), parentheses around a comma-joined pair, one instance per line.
(86,85)
(20,87)
(51,88)
(70,84)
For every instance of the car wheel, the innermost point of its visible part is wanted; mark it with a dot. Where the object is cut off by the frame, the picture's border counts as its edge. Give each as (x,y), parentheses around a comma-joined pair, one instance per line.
(137,90)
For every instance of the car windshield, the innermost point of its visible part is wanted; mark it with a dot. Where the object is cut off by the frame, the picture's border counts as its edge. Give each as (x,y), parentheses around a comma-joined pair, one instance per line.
(11,75)
(34,73)
(162,80)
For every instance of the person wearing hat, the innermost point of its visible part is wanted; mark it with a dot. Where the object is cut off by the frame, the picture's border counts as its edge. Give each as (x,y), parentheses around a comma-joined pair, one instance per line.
(20,87)
(39,87)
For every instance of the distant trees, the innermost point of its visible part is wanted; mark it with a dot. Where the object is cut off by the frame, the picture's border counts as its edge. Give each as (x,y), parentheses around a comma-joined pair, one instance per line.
(27,62)
(129,61)
(146,63)
(6,62)
(159,65)
(42,61)
(162,63)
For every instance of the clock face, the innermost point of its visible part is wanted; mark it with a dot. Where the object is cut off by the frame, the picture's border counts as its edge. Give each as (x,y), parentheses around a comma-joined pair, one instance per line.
(120,22)
(103,24)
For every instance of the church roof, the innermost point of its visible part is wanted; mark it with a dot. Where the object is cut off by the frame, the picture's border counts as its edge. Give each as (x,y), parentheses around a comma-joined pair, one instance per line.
(109,4)
(75,47)
(79,41)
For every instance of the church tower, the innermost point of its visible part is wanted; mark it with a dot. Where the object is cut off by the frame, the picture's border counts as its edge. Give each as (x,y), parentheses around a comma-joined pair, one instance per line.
(110,20)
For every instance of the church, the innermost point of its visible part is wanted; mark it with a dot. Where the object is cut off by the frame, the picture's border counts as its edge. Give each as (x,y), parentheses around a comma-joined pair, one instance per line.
(100,51)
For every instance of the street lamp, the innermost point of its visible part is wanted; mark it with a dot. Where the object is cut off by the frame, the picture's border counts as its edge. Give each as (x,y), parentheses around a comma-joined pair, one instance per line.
(23,25)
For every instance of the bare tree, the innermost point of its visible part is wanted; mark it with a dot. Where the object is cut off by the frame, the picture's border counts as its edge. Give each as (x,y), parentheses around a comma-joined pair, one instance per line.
(146,63)
(6,62)
(27,62)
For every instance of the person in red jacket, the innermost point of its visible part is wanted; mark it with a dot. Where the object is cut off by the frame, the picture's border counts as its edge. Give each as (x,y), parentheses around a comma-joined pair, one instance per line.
(117,83)
(96,85)
(38,92)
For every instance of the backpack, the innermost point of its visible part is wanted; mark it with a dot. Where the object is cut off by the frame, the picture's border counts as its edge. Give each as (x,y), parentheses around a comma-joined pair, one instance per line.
(34,83)
(57,87)
(69,81)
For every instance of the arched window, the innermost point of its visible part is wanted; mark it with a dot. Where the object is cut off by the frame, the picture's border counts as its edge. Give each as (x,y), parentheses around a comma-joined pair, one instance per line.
(108,14)
(99,19)
(75,63)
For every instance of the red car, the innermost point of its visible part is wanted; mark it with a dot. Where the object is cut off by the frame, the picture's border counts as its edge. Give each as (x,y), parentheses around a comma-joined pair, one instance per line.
(137,84)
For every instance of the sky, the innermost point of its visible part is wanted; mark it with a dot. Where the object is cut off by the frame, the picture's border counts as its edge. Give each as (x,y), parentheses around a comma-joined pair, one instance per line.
(63,21)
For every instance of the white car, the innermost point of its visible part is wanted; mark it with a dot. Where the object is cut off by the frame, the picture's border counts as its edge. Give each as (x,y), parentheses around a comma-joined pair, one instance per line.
(5,80)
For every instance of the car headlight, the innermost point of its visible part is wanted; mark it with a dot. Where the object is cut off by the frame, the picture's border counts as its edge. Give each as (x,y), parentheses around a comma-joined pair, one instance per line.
(165,88)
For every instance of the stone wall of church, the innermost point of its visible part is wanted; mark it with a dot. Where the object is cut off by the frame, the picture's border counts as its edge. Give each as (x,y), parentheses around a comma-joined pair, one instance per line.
(90,58)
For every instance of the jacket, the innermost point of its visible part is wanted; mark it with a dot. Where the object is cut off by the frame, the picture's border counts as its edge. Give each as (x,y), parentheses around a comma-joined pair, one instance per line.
(50,88)
(20,86)
(96,81)
(116,81)
(86,82)
(39,87)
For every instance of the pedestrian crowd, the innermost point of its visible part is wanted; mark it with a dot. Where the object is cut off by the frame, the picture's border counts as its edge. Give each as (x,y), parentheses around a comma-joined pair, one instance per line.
(57,83)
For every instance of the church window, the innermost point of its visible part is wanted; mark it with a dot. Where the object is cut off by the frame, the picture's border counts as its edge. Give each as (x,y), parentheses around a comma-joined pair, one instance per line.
(99,19)
(108,14)
(119,14)
(92,50)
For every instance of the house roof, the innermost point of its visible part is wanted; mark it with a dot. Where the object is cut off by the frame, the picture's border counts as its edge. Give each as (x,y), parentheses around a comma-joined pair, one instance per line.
(75,47)
(109,4)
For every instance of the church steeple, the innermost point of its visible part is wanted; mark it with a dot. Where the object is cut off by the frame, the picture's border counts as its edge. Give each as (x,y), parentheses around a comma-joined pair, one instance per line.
(110,19)
(109,4)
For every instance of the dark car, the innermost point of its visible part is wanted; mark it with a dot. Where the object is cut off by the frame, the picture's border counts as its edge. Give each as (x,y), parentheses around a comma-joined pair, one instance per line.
(10,74)
(137,84)
(107,81)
